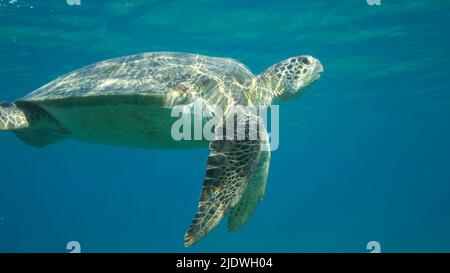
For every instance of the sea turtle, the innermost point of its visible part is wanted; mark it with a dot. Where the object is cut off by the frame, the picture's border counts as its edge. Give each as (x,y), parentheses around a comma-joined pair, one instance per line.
(128,100)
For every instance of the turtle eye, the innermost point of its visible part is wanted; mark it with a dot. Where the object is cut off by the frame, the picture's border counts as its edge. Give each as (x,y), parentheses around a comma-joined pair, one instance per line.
(305,61)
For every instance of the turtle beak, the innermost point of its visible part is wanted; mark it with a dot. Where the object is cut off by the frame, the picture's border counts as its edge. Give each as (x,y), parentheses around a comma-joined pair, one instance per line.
(318,68)
(315,71)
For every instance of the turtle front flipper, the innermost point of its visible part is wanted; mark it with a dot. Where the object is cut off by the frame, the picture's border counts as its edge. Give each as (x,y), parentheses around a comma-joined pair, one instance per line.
(241,213)
(233,159)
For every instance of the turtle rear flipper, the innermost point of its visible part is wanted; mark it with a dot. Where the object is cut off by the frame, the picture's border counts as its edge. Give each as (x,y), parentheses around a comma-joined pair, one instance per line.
(12,117)
(30,124)
(231,166)
(38,137)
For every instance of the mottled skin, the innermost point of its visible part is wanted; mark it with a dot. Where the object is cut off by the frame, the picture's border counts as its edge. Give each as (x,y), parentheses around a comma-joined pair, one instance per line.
(12,118)
(127,101)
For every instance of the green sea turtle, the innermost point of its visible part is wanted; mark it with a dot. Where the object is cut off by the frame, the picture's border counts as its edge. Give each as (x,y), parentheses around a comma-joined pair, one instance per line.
(127,101)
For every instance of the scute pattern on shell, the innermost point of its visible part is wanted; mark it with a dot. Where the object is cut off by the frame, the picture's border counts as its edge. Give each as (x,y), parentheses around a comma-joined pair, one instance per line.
(150,73)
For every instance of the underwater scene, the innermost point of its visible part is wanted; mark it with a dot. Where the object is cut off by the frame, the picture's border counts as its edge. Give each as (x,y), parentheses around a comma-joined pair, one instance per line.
(357,93)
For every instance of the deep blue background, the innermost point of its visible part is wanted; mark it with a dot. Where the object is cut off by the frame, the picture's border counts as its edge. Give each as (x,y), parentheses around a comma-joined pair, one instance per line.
(364,155)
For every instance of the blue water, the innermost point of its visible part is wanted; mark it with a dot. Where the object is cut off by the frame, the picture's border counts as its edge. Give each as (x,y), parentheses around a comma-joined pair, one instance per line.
(364,154)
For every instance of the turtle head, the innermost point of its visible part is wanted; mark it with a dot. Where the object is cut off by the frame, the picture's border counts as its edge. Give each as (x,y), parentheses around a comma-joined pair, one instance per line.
(291,77)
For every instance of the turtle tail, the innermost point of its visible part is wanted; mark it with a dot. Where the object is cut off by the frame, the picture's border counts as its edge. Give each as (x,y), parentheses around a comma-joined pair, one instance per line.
(12,117)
